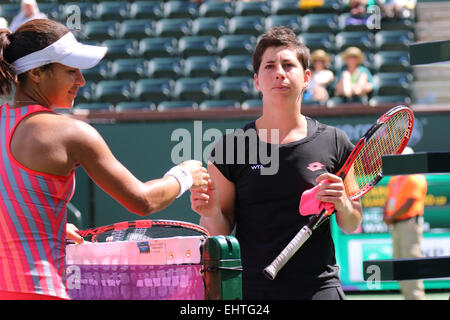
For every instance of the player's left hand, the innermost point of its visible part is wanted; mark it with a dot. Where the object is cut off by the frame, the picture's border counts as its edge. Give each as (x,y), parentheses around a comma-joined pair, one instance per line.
(72,235)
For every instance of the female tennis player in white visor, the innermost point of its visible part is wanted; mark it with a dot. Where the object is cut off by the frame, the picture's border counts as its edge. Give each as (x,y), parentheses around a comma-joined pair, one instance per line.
(40,150)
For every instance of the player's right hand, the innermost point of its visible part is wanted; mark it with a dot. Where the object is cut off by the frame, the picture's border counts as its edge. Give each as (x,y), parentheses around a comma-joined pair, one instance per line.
(199,173)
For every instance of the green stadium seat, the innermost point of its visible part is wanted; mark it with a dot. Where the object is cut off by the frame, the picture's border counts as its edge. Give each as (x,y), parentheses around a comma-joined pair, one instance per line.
(320,22)
(397,24)
(393,40)
(158,47)
(251,103)
(155,90)
(392,84)
(121,48)
(113,91)
(9,10)
(216,8)
(236,44)
(85,93)
(112,10)
(236,88)
(135,105)
(289,20)
(280,7)
(132,69)
(252,8)
(193,89)
(98,72)
(392,61)
(363,40)
(146,10)
(221,104)
(314,41)
(177,105)
(329,6)
(237,65)
(180,9)
(197,45)
(52,10)
(94,106)
(390,100)
(254,25)
(345,25)
(202,66)
(210,26)
(87,10)
(136,28)
(100,30)
(165,67)
(176,27)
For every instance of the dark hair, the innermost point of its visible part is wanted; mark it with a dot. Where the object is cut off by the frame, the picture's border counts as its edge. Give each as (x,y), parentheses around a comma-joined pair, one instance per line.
(280,37)
(29,37)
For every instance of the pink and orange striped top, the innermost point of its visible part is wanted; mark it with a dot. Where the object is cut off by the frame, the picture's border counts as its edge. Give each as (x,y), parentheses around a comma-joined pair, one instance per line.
(32,218)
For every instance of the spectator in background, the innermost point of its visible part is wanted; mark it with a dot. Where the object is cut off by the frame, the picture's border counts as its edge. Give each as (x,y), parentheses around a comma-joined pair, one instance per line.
(354,82)
(29,10)
(321,76)
(403,9)
(403,211)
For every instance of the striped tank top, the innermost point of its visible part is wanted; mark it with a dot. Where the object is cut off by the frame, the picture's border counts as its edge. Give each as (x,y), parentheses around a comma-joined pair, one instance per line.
(32,218)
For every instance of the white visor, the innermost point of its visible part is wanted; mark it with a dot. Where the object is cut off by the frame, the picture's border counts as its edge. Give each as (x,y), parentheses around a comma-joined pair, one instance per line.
(67,51)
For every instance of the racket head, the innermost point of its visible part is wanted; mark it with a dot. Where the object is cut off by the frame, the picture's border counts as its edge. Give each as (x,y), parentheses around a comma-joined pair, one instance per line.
(389,135)
(141,230)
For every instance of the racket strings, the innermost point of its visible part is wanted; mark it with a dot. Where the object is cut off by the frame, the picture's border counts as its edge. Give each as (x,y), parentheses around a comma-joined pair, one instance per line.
(367,166)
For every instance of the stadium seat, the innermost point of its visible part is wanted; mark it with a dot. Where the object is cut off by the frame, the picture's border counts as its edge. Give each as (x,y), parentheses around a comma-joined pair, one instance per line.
(347,23)
(237,65)
(216,8)
(236,44)
(254,25)
(280,7)
(120,48)
(98,72)
(392,83)
(289,20)
(114,91)
(397,24)
(135,105)
(328,6)
(155,90)
(237,88)
(85,93)
(177,105)
(221,104)
(180,9)
(146,10)
(363,40)
(197,46)
(163,67)
(314,41)
(393,40)
(392,61)
(9,10)
(390,100)
(137,29)
(320,22)
(193,89)
(251,103)
(176,27)
(100,30)
(158,47)
(112,10)
(132,69)
(52,10)
(210,26)
(202,66)
(86,10)
(94,106)
(252,8)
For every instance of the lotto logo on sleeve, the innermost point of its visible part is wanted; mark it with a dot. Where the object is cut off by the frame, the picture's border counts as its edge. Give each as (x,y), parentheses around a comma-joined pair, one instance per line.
(315,166)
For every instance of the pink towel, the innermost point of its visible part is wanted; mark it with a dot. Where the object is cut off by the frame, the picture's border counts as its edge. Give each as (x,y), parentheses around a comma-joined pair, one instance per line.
(309,205)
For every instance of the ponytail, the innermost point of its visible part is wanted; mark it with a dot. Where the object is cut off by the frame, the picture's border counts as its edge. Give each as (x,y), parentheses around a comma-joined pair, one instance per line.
(7,73)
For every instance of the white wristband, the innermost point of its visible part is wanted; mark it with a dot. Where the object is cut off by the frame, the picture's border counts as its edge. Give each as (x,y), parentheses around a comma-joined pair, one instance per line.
(183,177)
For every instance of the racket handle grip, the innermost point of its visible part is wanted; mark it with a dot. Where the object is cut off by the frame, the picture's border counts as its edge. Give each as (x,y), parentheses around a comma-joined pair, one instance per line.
(272,270)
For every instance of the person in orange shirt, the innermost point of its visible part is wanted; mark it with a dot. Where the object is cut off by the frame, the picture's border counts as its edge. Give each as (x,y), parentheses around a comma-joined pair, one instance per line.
(404,210)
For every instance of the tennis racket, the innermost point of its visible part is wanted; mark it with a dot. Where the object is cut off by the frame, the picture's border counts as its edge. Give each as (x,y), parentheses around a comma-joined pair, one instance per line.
(140,230)
(360,173)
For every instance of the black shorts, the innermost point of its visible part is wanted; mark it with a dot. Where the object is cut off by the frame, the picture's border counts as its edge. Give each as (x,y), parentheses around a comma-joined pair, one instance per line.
(331,293)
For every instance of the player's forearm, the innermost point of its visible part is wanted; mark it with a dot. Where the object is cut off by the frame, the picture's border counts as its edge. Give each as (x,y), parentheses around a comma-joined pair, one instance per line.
(349,218)
(217,224)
